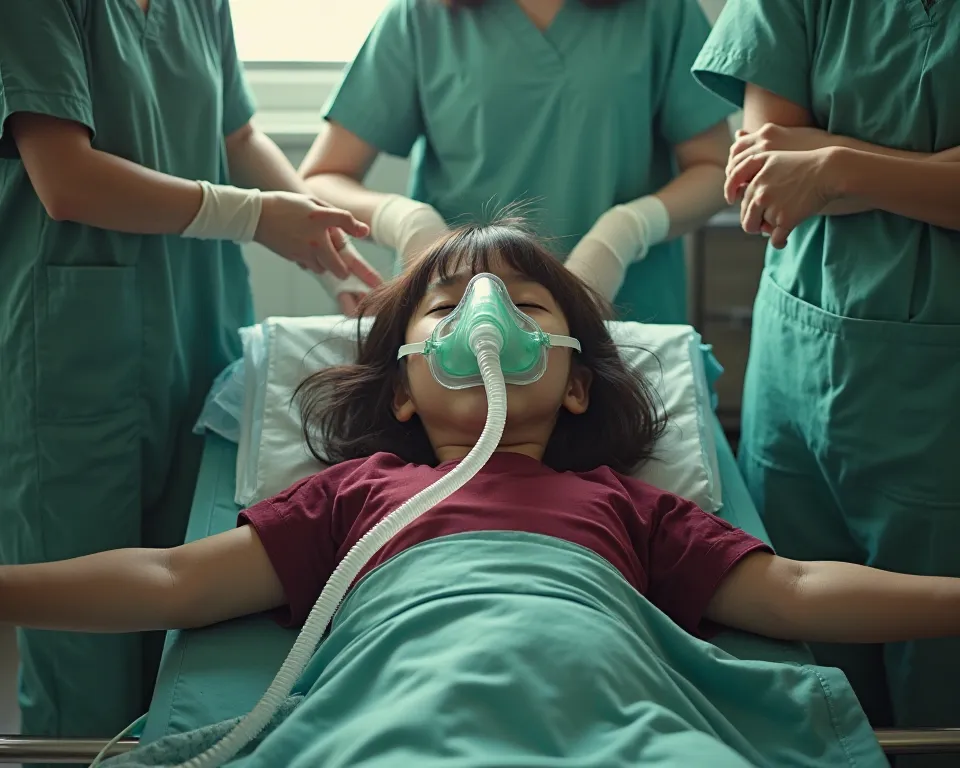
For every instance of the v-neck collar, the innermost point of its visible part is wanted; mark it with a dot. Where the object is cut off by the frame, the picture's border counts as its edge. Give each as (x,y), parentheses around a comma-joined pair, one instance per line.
(148,17)
(550,41)
(924,15)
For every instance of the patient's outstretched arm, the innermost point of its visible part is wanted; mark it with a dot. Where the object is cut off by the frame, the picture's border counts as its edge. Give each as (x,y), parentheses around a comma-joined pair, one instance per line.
(834,602)
(135,590)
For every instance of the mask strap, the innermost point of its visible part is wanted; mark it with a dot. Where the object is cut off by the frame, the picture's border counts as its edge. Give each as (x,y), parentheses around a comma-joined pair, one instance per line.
(412,349)
(563,341)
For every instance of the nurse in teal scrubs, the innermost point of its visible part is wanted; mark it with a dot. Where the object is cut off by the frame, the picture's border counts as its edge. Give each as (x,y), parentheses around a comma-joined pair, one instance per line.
(121,291)
(581,115)
(851,426)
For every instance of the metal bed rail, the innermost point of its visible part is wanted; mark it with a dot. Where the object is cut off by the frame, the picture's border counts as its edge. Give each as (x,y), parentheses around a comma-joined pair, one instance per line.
(25,750)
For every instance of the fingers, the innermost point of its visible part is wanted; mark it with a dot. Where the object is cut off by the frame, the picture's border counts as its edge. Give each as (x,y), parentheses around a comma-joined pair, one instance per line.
(744,144)
(354,262)
(325,255)
(778,238)
(751,210)
(359,267)
(742,175)
(339,240)
(334,217)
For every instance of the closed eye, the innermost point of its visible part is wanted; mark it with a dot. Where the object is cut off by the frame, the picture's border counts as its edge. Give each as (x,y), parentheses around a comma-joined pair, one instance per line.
(450,307)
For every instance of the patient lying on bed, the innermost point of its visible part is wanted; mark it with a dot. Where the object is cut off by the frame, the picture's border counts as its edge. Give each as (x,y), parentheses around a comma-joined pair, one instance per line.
(551,613)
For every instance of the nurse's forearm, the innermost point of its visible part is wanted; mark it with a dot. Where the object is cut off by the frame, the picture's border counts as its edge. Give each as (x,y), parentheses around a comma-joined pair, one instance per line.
(129,590)
(693,198)
(78,183)
(854,205)
(256,162)
(345,192)
(920,190)
(105,191)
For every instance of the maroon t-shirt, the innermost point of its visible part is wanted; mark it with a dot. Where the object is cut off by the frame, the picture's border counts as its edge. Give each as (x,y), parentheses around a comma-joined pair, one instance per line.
(666,547)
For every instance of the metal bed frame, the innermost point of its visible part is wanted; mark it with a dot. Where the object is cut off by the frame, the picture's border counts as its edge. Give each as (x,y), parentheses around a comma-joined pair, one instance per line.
(25,750)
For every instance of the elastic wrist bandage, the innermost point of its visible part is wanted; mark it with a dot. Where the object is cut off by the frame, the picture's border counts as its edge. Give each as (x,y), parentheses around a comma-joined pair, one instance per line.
(226,213)
(406,225)
(631,229)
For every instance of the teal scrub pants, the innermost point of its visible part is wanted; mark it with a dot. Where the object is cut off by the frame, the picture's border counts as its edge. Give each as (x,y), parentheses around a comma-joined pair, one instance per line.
(851,450)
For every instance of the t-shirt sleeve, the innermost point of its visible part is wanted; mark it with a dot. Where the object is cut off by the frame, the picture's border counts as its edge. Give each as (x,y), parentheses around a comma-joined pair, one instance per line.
(296,530)
(43,68)
(766,44)
(687,108)
(378,97)
(691,551)
(238,103)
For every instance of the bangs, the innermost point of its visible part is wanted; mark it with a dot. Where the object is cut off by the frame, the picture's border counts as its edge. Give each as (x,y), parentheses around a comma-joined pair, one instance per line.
(506,245)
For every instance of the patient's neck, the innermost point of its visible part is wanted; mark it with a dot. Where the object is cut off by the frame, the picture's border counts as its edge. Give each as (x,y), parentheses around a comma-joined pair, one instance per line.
(456,452)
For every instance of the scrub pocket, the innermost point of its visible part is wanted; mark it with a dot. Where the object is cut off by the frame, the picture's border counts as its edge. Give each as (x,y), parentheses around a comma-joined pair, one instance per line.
(874,405)
(88,426)
(89,342)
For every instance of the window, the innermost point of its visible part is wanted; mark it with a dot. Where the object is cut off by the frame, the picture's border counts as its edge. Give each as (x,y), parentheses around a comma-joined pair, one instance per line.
(329,31)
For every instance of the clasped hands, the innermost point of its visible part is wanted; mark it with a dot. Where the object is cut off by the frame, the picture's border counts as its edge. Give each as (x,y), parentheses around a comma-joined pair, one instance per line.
(781,177)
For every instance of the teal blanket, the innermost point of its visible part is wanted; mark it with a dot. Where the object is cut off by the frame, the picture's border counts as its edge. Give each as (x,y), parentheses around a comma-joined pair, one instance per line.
(511,649)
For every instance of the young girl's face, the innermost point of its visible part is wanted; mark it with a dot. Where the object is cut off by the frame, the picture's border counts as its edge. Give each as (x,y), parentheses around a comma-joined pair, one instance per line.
(453,419)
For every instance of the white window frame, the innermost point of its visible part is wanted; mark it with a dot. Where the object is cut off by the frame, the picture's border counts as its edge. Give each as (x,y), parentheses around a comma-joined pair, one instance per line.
(290,97)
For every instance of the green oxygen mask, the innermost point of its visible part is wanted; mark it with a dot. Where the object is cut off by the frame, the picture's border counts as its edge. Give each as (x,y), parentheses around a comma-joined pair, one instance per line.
(486,308)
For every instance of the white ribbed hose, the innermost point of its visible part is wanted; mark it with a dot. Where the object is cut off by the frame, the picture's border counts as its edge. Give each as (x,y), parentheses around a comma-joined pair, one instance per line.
(486,343)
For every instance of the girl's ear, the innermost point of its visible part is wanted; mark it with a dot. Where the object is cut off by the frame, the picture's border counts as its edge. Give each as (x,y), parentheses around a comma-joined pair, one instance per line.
(403,407)
(577,398)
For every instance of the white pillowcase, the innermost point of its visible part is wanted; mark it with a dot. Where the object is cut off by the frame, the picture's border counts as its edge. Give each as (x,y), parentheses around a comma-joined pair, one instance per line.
(281,352)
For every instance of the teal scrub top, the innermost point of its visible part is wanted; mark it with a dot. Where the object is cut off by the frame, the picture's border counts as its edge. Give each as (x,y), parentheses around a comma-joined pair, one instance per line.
(566,123)
(882,71)
(94,320)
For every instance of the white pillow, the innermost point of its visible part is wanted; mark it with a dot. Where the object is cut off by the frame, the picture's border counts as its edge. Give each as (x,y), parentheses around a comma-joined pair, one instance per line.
(281,352)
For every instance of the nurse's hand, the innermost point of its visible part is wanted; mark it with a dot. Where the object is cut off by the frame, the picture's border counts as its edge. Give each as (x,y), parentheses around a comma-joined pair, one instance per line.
(782,189)
(771,138)
(303,230)
(350,292)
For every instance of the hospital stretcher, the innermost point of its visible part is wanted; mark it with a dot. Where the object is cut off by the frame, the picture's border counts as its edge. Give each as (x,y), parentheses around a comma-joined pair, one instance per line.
(218,673)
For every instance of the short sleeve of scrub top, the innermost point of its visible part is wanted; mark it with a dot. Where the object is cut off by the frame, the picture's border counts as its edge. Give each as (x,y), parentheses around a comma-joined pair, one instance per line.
(687,108)
(238,104)
(45,72)
(377,99)
(762,43)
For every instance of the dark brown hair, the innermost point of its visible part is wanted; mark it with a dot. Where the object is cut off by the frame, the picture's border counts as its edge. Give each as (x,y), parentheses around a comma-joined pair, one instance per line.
(347,410)
(478,3)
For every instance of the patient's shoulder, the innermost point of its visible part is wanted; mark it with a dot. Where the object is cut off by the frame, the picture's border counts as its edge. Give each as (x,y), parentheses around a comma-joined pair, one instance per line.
(367,467)
(642,493)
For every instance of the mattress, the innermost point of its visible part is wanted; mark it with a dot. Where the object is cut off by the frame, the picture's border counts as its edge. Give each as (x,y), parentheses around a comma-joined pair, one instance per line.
(220,672)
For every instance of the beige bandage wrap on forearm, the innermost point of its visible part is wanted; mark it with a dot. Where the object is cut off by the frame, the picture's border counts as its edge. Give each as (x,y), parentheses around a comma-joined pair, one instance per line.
(226,213)
(621,236)
(407,226)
